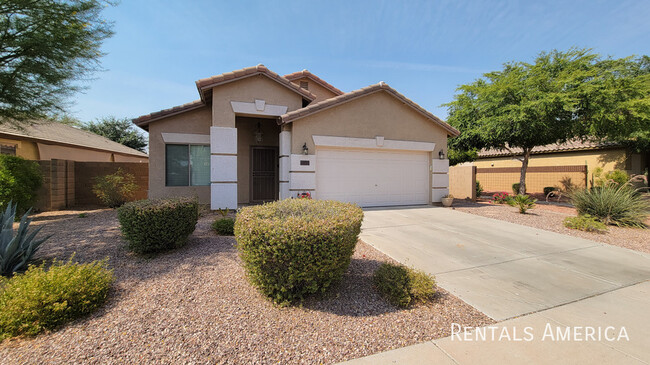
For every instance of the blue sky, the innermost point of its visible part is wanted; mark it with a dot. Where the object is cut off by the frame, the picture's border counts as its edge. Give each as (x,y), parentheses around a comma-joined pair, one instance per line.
(424,49)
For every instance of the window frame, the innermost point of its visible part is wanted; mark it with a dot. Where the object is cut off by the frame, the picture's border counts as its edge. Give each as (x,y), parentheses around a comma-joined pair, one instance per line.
(189,162)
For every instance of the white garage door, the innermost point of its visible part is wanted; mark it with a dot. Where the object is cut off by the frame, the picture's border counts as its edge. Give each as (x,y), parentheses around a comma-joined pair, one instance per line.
(372,177)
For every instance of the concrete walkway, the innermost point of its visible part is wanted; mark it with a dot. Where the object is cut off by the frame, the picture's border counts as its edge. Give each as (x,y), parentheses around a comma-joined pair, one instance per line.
(507,271)
(503,269)
(627,307)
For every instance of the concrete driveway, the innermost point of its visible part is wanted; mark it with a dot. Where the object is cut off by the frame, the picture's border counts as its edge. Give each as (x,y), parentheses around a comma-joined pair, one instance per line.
(505,270)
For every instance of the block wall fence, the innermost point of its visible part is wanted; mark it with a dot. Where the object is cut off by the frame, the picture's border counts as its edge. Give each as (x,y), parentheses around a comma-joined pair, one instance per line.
(68,184)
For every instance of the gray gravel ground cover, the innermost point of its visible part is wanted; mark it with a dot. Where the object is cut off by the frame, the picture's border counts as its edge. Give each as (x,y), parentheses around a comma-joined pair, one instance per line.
(194,305)
(551,217)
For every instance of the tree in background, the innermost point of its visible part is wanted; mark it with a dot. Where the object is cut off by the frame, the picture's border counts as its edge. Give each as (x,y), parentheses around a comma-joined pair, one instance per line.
(118,130)
(46,47)
(561,96)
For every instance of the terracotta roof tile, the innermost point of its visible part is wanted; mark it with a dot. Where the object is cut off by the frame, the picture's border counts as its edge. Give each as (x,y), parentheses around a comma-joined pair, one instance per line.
(144,120)
(305,73)
(205,85)
(54,132)
(571,145)
(381,86)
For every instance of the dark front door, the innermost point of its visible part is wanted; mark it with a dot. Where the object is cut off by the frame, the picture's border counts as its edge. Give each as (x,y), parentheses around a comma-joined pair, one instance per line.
(264,175)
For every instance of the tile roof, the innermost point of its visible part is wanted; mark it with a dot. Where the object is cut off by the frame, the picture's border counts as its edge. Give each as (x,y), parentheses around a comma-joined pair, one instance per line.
(205,85)
(381,86)
(54,132)
(572,145)
(305,73)
(143,121)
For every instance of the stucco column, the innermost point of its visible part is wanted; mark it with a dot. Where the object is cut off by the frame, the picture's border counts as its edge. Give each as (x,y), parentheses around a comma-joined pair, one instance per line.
(439,179)
(285,151)
(223,168)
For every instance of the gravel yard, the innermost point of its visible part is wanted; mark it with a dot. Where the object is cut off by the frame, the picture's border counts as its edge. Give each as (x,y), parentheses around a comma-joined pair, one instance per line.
(550,217)
(194,305)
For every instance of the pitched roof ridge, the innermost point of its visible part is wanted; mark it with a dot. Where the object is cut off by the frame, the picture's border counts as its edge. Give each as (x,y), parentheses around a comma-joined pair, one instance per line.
(327,103)
(306,73)
(147,118)
(212,81)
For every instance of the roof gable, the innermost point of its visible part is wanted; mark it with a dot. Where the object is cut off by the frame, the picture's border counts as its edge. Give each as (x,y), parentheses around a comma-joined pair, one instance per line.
(305,73)
(347,97)
(205,85)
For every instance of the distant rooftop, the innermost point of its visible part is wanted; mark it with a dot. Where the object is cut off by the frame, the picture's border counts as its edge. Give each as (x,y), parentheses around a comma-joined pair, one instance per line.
(64,134)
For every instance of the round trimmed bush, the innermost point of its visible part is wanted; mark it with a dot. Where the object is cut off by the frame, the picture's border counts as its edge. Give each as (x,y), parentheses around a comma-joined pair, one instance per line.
(297,247)
(224,226)
(158,225)
(403,286)
(43,298)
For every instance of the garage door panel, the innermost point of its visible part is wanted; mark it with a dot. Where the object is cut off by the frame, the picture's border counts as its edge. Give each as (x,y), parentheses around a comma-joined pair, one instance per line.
(373,178)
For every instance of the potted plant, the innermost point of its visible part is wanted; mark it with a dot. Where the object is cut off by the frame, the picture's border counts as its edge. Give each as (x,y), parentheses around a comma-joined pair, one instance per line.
(447,200)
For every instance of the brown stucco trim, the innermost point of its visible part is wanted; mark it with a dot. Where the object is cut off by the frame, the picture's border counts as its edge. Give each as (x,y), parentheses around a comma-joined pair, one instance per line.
(501,170)
(352,95)
(305,73)
(205,86)
(143,121)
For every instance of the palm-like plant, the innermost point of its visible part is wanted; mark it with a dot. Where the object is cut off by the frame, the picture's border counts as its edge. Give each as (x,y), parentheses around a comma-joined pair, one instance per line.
(16,250)
(523,202)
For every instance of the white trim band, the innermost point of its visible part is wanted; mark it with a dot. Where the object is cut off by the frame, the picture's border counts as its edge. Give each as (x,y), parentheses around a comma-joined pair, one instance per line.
(380,143)
(259,107)
(186,138)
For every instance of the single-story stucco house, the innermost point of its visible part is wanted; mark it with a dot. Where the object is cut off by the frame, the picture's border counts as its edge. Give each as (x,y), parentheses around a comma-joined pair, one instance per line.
(256,136)
(47,140)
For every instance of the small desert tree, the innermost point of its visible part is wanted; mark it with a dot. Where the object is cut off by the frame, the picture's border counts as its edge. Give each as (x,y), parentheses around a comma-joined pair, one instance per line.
(118,130)
(45,47)
(560,96)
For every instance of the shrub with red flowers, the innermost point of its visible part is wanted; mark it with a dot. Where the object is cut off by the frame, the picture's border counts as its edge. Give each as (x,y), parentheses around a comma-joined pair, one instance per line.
(501,198)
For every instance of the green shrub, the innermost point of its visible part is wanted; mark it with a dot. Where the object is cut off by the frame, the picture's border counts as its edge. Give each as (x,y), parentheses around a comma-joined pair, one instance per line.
(585,223)
(224,226)
(158,225)
(297,247)
(403,286)
(515,188)
(479,189)
(549,189)
(619,205)
(17,249)
(20,180)
(115,189)
(43,299)
(523,202)
(617,177)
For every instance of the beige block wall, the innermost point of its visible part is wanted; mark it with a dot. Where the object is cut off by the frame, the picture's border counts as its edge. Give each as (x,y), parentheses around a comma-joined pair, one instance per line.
(196,122)
(535,181)
(315,88)
(25,149)
(610,159)
(247,90)
(246,128)
(378,114)
(462,182)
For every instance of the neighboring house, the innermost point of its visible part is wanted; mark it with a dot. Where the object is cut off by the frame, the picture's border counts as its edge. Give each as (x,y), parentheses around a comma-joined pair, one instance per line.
(548,165)
(256,136)
(51,140)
